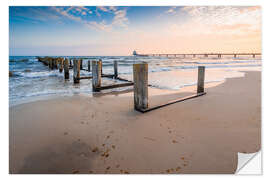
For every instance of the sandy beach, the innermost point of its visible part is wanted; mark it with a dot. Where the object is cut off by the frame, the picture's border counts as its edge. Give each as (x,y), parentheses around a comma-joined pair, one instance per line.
(104,134)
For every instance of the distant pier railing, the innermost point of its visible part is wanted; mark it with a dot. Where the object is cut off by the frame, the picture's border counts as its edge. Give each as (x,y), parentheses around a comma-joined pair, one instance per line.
(219,55)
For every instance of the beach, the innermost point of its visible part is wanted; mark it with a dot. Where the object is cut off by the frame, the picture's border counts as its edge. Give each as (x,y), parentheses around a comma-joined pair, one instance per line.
(102,133)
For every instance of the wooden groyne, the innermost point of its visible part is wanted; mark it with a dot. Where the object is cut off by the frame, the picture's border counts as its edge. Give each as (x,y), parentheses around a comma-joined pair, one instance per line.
(139,83)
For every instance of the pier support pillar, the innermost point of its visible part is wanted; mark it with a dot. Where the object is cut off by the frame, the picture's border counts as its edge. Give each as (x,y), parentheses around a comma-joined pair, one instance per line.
(194,55)
(89,66)
(66,68)
(200,83)
(115,64)
(253,55)
(235,56)
(96,73)
(76,71)
(140,78)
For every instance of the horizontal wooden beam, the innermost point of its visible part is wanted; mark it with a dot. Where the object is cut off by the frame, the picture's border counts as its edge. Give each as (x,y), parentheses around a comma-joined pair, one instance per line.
(114,86)
(171,102)
(103,75)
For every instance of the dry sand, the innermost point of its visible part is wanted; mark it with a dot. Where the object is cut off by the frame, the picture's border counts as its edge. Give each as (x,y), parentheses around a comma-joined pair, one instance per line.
(103,134)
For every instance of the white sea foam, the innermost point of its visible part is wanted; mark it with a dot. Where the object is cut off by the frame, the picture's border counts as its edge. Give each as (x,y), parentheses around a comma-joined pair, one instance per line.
(164,73)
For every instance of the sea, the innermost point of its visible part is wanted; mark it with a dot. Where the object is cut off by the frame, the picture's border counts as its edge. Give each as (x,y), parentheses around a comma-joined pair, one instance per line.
(33,81)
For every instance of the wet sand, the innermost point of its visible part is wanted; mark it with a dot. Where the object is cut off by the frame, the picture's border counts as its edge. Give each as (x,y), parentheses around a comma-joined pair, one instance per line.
(103,133)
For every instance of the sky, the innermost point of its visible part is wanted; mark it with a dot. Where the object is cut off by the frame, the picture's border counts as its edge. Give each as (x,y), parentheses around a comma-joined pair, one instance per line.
(112,31)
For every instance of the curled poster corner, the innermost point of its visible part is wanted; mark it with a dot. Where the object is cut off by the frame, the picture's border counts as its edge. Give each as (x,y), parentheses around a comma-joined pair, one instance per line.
(249,163)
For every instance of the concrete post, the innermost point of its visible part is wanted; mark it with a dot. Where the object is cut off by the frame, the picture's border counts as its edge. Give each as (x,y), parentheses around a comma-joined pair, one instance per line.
(96,73)
(140,78)
(76,71)
(200,83)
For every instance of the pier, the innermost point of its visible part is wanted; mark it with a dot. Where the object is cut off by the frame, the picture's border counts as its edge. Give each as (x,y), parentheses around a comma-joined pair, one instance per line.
(139,83)
(218,55)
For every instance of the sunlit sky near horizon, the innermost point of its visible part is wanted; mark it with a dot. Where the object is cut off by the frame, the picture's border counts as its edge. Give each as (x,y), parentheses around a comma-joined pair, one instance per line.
(120,30)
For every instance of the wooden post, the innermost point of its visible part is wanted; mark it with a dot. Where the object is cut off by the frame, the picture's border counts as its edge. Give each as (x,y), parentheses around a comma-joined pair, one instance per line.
(54,63)
(81,64)
(61,62)
(66,69)
(70,63)
(253,55)
(76,71)
(115,64)
(89,66)
(140,78)
(50,63)
(101,66)
(96,73)
(200,83)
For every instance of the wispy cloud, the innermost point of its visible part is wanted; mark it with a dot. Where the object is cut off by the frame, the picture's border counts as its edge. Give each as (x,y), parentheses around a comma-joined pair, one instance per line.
(172,10)
(75,13)
(219,19)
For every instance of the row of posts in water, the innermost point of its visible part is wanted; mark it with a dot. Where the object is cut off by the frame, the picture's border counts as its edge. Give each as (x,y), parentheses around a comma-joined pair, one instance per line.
(140,77)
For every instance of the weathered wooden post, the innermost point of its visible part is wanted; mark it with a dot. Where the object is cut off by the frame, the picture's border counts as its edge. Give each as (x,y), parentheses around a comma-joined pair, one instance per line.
(66,69)
(50,63)
(76,71)
(89,66)
(96,73)
(140,78)
(200,83)
(115,64)
(61,62)
(54,63)
(70,63)
(101,66)
(81,64)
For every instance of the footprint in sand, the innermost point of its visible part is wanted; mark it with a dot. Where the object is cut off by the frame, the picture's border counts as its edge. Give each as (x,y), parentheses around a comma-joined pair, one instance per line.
(75,171)
(174,141)
(65,133)
(95,149)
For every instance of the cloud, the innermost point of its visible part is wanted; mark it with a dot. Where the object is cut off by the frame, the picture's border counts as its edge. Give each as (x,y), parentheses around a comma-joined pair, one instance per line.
(120,18)
(219,20)
(103,8)
(100,26)
(75,13)
(172,10)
